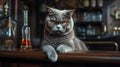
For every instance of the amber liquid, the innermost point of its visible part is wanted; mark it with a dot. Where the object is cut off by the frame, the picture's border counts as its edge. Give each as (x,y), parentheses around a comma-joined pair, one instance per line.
(26,44)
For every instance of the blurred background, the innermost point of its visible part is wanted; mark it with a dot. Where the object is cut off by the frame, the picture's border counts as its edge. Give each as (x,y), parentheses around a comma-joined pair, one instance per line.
(95,20)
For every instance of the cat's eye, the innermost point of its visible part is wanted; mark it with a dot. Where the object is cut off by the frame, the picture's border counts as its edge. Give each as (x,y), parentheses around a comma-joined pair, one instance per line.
(64,22)
(53,22)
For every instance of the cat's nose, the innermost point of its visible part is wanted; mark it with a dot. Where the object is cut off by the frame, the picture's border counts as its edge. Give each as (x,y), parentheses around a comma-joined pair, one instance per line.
(58,27)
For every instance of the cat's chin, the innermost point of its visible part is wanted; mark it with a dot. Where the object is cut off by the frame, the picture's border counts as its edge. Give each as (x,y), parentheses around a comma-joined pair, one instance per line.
(57,33)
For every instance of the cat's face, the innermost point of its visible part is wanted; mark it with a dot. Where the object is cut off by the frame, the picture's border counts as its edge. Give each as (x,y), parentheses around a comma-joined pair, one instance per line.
(59,22)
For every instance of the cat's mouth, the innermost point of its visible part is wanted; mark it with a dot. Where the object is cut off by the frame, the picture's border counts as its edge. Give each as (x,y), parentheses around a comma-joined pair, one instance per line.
(58,32)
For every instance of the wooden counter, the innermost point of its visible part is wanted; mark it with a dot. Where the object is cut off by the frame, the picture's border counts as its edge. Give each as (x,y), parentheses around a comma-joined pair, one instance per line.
(37,58)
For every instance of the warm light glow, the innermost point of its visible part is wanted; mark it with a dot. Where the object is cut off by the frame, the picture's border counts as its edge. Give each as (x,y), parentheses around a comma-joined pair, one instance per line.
(118,28)
(115,28)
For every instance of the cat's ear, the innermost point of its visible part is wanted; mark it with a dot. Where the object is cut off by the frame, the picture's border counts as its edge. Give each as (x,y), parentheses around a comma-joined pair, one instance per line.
(70,12)
(49,10)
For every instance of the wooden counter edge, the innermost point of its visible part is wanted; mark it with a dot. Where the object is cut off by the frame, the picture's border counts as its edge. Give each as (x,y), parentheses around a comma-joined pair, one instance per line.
(86,57)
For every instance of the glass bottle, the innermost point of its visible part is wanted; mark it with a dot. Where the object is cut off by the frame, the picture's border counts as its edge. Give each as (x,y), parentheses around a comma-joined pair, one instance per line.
(10,29)
(93,3)
(90,30)
(25,43)
(100,16)
(100,3)
(9,40)
(86,3)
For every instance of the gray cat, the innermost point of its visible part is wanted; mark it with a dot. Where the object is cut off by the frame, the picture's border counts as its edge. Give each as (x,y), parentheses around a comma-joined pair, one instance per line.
(59,34)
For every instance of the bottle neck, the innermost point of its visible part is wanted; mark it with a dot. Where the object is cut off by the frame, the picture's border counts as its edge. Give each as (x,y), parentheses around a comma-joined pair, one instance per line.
(10,31)
(25,17)
(9,22)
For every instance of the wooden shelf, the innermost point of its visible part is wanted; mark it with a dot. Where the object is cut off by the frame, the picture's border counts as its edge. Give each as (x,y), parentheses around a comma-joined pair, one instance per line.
(90,9)
(90,22)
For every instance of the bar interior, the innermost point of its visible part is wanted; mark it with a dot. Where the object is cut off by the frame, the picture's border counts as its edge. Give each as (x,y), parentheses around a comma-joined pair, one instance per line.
(22,24)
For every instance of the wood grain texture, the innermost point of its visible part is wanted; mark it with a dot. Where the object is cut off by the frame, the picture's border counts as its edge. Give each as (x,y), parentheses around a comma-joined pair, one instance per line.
(86,57)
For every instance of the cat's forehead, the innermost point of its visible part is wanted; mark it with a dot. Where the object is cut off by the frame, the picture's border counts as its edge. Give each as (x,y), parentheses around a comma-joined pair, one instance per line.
(58,11)
(61,11)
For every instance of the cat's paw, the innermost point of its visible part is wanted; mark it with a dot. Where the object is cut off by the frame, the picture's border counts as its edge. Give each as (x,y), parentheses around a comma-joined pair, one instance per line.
(64,48)
(51,53)
(52,56)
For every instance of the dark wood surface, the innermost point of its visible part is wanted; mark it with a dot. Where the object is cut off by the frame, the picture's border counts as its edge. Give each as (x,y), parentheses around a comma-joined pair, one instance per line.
(37,58)
(77,57)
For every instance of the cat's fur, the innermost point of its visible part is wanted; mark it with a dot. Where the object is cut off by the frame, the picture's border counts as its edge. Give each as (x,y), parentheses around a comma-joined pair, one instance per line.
(59,34)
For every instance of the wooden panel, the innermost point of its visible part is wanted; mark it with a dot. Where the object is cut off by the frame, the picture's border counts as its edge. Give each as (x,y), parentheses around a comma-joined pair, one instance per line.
(38,55)
(28,65)
(37,58)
